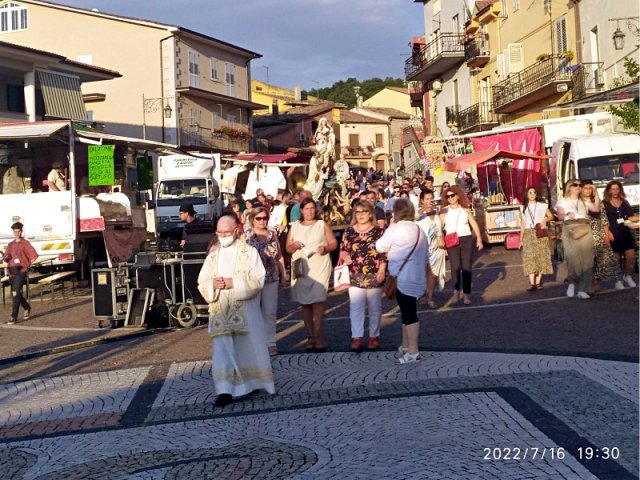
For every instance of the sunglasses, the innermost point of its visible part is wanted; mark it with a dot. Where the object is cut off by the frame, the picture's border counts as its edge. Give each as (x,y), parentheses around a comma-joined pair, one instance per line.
(577,184)
(451,195)
(361,211)
(262,219)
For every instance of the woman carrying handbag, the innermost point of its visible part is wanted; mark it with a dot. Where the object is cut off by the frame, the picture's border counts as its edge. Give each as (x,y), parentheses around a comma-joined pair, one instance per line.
(458,223)
(367,271)
(536,256)
(577,240)
(407,257)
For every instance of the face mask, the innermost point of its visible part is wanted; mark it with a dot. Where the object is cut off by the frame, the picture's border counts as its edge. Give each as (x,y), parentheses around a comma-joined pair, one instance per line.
(226,241)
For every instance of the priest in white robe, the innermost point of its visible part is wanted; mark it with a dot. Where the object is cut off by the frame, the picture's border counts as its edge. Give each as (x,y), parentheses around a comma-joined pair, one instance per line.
(230,281)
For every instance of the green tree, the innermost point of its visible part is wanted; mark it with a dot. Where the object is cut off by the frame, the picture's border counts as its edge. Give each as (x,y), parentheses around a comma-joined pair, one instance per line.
(628,112)
(342,90)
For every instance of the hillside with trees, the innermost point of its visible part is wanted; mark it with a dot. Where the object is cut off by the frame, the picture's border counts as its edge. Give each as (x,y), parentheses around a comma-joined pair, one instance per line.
(342,91)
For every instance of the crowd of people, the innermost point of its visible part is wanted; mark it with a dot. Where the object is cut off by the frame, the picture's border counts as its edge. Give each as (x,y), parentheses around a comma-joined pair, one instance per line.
(402,231)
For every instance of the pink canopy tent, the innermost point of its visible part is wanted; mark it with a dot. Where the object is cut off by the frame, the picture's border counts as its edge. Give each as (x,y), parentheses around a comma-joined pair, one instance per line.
(469,160)
(523,172)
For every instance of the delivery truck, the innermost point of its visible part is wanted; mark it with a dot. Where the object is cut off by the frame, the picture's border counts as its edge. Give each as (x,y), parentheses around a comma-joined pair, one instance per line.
(182,179)
(599,158)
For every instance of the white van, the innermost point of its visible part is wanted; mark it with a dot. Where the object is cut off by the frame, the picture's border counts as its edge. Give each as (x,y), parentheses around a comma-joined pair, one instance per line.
(599,158)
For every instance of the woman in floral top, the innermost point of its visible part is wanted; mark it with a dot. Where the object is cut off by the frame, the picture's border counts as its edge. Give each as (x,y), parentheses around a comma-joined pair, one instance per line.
(367,269)
(265,240)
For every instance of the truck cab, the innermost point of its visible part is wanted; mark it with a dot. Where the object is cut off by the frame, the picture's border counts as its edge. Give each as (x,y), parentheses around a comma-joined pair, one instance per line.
(599,158)
(186,179)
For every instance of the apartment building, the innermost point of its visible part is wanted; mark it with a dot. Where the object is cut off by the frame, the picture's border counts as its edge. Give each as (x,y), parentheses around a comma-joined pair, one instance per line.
(607,34)
(392,97)
(177,85)
(525,60)
(534,57)
(439,78)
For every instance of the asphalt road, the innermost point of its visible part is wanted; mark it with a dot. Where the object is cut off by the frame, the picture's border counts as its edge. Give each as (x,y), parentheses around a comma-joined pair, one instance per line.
(503,318)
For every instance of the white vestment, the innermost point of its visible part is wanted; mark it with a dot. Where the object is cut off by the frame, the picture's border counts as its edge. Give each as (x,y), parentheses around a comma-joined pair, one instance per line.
(240,358)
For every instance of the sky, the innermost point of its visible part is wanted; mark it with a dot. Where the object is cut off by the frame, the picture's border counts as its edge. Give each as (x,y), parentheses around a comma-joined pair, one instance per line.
(313,43)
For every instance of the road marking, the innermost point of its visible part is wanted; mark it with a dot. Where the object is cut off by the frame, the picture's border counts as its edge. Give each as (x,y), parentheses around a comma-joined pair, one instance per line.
(50,329)
(459,308)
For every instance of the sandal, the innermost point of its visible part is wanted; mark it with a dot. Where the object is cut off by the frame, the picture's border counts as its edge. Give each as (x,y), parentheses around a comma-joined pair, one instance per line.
(311,344)
(400,352)
(408,358)
(431,305)
(539,286)
(532,288)
(467,300)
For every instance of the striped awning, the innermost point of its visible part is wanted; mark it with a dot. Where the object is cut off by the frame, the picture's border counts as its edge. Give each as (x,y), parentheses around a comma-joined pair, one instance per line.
(62,96)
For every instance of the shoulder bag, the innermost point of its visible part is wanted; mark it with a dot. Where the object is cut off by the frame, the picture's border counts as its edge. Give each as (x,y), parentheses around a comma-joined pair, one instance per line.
(540,232)
(451,239)
(391,285)
(577,228)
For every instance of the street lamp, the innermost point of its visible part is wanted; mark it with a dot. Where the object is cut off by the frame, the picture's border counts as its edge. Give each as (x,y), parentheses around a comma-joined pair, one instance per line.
(619,36)
(153,105)
(618,39)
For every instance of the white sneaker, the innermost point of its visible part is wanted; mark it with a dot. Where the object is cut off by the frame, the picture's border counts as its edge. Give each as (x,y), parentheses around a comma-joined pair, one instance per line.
(619,285)
(583,295)
(629,280)
(571,290)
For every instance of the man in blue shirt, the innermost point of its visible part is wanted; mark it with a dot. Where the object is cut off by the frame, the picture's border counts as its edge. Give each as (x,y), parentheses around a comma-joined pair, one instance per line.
(295,210)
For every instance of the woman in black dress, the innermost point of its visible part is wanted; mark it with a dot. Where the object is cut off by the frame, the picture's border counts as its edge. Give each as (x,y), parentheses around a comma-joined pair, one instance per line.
(618,210)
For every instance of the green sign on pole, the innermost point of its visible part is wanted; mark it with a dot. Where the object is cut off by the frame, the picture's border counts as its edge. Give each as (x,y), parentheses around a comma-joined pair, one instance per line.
(101,165)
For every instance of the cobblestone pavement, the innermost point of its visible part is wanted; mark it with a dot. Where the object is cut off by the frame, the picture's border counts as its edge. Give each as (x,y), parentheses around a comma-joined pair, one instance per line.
(335,415)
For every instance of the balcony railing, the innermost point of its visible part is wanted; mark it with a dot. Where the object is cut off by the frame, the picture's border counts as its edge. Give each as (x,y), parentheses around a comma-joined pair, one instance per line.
(198,136)
(416,94)
(476,52)
(588,79)
(445,44)
(451,114)
(475,116)
(534,82)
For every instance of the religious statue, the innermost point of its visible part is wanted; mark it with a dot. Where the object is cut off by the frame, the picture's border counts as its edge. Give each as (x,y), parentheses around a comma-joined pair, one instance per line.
(341,168)
(316,177)
(325,141)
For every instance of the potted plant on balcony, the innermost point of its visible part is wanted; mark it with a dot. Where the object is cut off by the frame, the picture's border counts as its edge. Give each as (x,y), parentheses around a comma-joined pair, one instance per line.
(568,54)
(542,56)
(231,132)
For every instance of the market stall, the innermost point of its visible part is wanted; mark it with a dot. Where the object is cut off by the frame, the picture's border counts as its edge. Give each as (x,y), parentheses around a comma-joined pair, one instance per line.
(503,177)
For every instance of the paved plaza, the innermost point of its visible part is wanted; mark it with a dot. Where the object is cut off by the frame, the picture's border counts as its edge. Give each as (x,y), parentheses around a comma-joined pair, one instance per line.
(336,415)
(514,387)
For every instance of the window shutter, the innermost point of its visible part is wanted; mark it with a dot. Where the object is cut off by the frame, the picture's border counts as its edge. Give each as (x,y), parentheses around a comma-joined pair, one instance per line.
(561,35)
(214,68)
(516,62)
